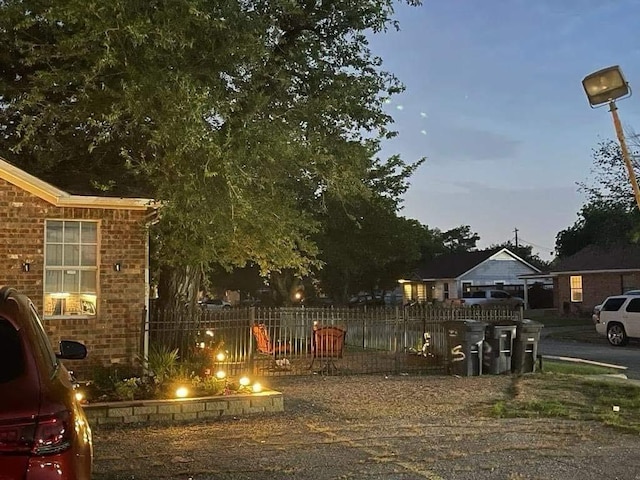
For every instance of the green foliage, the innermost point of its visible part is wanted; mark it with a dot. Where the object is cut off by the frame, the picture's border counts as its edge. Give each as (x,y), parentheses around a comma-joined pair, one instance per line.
(610,215)
(241,117)
(162,362)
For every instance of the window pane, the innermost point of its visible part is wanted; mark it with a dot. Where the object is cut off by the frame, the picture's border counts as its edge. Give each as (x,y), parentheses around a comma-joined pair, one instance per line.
(54,232)
(89,255)
(54,255)
(71,255)
(88,281)
(634,305)
(71,281)
(71,232)
(53,281)
(89,232)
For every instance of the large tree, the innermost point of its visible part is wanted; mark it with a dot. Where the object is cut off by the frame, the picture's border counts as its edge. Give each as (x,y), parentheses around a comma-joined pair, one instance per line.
(240,116)
(610,214)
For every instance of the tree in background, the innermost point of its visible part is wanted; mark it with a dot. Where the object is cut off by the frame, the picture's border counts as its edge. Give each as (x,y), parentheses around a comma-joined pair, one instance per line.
(610,214)
(525,252)
(460,239)
(243,118)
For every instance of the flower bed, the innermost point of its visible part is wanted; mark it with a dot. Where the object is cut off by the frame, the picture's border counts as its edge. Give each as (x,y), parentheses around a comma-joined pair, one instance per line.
(182,410)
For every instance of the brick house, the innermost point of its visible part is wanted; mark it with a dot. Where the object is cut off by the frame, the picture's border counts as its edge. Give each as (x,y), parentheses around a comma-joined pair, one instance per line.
(83,260)
(586,278)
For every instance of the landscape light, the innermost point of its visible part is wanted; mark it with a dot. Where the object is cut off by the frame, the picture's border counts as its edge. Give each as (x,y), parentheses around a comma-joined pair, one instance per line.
(220,356)
(257,388)
(220,374)
(182,392)
(244,381)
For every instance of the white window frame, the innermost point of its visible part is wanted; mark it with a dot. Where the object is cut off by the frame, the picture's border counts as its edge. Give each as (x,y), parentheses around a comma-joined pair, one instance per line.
(575,286)
(71,298)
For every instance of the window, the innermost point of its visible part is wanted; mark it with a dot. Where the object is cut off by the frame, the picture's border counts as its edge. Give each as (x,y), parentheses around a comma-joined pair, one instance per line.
(446,290)
(575,283)
(613,304)
(71,268)
(634,305)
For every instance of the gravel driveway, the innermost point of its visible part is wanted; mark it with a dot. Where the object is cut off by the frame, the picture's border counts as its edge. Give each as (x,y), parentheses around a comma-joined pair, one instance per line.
(373,427)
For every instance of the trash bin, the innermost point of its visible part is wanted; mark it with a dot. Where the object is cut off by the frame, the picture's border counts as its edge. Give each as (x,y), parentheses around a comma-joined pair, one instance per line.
(498,348)
(464,347)
(525,346)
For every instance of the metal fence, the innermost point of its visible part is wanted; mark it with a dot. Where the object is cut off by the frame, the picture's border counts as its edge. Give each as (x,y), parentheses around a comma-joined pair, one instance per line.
(378,340)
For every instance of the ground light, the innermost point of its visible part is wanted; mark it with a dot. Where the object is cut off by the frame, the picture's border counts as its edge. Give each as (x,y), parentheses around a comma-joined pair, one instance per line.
(257,388)
(182,392)
(244,381)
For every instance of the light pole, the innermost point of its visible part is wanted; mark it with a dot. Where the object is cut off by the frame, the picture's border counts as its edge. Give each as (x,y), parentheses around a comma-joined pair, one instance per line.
(605,87)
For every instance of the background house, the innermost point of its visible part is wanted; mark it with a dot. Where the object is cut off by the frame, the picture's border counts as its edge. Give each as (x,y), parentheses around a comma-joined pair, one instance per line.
(586,278)
(83,260)
(448,276)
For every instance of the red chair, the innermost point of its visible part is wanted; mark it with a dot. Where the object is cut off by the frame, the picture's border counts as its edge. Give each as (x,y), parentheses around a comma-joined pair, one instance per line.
(328,344)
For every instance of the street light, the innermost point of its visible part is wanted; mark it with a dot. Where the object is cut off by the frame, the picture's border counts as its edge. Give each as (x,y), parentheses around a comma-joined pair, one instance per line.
(605,87)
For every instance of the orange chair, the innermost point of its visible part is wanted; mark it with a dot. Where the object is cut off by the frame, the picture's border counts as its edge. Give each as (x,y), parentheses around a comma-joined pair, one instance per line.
(264,344)
(328,344)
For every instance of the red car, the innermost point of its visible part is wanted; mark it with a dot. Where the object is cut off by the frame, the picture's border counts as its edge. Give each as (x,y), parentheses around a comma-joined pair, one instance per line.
(44,433)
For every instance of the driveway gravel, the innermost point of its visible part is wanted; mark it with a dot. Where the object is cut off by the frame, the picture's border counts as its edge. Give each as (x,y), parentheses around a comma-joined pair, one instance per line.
(370,428)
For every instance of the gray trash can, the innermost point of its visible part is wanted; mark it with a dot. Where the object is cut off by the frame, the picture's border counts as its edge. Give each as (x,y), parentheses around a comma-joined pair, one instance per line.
(498,348)
(525,346)
(464,347)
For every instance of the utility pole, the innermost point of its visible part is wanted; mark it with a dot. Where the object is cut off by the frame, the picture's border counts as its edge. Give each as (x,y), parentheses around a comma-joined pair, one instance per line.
(516,232)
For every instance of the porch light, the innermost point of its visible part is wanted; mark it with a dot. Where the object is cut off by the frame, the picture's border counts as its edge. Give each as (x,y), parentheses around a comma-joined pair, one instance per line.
(79,396)
(26,266)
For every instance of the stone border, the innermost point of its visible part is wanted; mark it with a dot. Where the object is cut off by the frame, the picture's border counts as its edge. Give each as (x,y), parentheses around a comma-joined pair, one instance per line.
(182,410)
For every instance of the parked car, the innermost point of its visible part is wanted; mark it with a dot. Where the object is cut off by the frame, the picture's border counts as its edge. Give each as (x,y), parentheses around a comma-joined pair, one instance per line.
(619,319)
(214,304)
(491,298)
(597,308)
(44,433)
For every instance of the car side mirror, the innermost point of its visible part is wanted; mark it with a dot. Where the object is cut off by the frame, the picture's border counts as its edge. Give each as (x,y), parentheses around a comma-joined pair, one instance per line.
(71,350)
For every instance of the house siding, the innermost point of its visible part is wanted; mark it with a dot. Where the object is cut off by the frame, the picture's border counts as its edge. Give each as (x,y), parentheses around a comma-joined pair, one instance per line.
(491,271)
(114,334)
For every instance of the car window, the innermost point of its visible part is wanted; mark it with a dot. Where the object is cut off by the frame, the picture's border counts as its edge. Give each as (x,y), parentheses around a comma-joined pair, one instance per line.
(499,295)
(613,304)
(634,305)
(11,352)
(477,295)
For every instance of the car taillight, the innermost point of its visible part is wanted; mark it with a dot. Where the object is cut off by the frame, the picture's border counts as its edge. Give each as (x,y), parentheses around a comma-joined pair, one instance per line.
(46,435)
(53,434)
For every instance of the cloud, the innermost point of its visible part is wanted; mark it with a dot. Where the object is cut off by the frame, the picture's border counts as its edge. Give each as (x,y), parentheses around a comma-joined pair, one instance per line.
(455,143)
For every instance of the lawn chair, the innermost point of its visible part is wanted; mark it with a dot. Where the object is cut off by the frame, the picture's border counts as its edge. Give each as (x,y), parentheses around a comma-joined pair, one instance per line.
(264,345)
(328,344)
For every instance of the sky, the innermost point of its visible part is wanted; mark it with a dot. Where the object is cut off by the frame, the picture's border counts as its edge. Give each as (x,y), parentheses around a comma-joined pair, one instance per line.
(494,101)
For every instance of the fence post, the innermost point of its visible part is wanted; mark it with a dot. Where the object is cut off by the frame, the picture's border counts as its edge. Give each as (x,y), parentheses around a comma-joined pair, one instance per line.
(252,319)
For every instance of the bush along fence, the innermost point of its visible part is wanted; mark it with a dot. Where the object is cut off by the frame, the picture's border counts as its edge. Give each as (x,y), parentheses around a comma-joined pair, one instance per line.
(303,341)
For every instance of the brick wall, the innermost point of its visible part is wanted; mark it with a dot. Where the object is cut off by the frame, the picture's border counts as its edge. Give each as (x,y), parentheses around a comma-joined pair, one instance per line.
(114,335)
(595,288)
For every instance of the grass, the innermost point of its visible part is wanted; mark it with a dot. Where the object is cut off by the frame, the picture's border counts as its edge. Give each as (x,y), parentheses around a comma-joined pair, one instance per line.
(568,392)
(563,321)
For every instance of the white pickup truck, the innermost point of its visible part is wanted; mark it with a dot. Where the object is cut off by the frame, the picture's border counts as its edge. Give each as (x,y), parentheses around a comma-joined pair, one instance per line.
(491,298)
